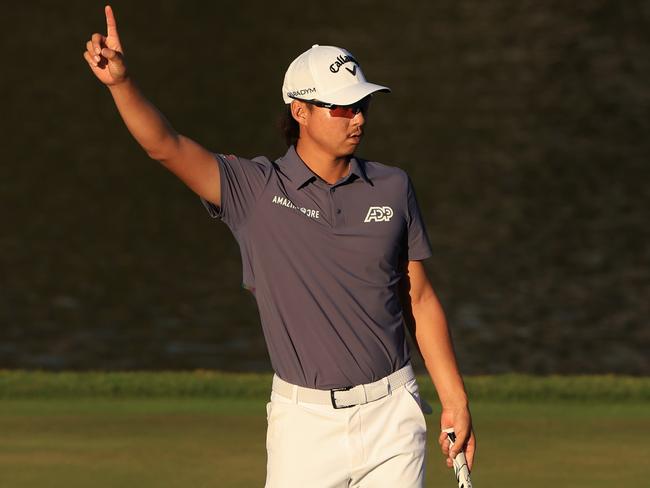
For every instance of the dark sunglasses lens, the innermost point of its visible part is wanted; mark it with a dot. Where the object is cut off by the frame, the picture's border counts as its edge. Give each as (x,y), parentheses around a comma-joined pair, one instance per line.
(349,111)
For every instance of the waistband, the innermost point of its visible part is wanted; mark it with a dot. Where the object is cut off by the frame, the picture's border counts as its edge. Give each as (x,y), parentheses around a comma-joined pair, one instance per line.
(348,396)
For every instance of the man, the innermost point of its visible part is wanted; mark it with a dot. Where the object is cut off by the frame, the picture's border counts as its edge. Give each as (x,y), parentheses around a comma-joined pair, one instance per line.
(329,242)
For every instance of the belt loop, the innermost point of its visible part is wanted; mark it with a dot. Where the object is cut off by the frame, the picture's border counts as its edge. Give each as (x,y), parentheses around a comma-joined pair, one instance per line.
(294,393)
(274,382)
(389,390)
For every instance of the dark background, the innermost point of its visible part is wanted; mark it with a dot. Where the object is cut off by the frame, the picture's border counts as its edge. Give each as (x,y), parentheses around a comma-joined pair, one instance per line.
(524,126)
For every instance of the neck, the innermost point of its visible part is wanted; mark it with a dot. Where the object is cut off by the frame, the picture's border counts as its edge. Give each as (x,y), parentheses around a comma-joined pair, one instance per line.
(328,167)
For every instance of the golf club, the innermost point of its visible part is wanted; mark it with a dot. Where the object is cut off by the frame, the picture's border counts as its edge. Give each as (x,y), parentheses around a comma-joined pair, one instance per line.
(460,462)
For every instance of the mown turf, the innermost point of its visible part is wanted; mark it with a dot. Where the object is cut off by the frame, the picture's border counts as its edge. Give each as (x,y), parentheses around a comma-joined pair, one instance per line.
(219,442)
(216,384)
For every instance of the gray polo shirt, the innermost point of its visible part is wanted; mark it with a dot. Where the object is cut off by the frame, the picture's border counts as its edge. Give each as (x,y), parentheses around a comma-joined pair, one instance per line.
(323,262)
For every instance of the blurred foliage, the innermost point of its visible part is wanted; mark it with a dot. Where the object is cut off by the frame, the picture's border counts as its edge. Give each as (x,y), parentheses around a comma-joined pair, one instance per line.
(523,125)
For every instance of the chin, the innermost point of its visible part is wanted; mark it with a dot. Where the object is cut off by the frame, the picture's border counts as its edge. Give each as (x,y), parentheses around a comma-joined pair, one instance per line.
(350,147)
(347,152)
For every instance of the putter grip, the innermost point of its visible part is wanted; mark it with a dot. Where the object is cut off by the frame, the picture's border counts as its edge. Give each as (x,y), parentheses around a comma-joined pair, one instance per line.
(460,463)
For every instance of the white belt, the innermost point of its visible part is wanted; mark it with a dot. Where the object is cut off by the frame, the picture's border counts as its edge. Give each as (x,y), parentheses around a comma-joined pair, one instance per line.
(348,396)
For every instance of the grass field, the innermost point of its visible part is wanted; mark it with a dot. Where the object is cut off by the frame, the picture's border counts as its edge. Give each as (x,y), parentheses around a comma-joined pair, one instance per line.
(204,440)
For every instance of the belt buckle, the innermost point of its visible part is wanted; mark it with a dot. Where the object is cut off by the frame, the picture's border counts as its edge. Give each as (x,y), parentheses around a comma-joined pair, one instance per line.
(345,388)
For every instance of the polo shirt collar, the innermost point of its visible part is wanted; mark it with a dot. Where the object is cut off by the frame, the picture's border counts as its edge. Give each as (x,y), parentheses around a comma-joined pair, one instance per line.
(299,172)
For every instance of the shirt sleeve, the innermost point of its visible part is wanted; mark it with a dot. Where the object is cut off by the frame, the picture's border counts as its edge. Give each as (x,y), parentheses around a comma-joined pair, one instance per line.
(419,246)
(242,182)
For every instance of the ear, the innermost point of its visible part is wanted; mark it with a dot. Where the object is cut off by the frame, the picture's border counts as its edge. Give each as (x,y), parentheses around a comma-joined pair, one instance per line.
(300,111)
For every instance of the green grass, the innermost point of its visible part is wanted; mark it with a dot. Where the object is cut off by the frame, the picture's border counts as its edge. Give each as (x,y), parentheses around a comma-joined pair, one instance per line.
(215,384)
(207,429)
(203,442)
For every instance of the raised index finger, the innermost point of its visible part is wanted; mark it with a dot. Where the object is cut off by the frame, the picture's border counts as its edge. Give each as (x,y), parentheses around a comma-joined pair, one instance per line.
(111,25)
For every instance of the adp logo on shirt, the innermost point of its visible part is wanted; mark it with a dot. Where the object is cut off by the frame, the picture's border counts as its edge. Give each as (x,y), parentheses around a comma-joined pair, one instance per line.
(379,214)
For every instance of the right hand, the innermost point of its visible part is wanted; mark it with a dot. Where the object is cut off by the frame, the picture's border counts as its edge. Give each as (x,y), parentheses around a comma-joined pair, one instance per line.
(105,55)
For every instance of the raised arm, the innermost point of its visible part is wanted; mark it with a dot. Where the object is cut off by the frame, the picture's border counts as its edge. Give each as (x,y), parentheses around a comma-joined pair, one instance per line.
(191,162)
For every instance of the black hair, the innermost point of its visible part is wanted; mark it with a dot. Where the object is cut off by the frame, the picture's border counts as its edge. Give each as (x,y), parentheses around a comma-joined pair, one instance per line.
(289,127)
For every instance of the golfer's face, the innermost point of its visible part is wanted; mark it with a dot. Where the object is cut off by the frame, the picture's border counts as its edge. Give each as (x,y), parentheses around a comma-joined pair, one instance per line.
(339,129)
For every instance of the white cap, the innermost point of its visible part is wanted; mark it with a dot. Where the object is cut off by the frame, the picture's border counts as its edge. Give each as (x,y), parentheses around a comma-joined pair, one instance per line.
(328,74)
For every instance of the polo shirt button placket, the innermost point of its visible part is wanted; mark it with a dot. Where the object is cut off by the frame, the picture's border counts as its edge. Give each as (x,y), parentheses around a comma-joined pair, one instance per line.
(337,211)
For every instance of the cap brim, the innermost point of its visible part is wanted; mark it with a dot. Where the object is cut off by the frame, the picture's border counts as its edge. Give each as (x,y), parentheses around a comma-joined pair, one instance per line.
(353,93)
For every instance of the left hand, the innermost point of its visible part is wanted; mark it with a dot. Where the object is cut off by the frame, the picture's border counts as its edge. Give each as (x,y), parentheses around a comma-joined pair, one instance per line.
(461,420)
(105,54)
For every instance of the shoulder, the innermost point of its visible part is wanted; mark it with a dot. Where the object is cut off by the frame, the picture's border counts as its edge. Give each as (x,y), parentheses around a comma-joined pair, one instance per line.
(261,161)
(258,167)
(385,173)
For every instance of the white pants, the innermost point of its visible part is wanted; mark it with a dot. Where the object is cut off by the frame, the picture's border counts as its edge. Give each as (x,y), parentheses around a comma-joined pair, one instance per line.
(373,445)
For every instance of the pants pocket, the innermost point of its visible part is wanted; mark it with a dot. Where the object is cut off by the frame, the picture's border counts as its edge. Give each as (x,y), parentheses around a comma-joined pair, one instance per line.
(276,411)
(269,425)
(412,392)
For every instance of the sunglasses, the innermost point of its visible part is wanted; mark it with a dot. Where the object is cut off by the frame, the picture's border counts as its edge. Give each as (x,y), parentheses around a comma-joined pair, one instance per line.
(347,111)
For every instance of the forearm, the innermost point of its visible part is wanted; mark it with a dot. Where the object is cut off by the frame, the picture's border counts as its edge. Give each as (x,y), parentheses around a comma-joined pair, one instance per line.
(147,125)
(434,341)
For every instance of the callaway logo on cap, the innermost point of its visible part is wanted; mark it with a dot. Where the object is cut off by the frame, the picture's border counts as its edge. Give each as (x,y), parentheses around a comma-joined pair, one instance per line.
(328,74)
